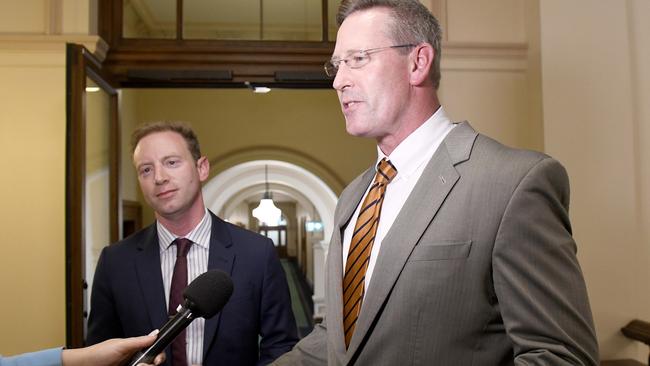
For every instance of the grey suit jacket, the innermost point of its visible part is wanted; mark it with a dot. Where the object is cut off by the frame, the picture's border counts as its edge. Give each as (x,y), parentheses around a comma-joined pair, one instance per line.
(479,268)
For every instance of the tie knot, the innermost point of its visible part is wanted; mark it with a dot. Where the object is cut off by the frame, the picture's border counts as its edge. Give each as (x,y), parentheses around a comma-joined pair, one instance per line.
(386,171)
(182,246)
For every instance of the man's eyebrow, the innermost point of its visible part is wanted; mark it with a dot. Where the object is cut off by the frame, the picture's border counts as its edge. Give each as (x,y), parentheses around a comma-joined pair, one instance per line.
(171,156)
(143,163)
(345,53)
(163,159)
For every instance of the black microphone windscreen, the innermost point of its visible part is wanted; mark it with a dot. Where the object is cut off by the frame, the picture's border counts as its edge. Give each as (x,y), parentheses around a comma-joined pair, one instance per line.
(209,293)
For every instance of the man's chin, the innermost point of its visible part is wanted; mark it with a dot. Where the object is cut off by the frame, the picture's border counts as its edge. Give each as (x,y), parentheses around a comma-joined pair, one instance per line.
(354,129)
(167,212)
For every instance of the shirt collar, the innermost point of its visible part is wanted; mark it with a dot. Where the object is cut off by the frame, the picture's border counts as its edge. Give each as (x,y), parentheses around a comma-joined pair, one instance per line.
(414,150)
(166,237)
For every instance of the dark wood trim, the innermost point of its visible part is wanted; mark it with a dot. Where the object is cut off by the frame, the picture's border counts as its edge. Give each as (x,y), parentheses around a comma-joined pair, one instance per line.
(81,64)
(253,61)
(325,19)
(261,19)
(179,19)
(75,193)
(638,330)
(115,142)
(626,362)
(132,212)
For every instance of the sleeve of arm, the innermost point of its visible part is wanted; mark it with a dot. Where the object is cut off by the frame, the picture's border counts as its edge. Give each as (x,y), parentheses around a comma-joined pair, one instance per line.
(277,324)
(310,351)
(103,322)
(537,278)
(50,357)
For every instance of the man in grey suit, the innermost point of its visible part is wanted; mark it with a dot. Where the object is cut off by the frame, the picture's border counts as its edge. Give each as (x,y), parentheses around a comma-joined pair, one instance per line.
(466,256)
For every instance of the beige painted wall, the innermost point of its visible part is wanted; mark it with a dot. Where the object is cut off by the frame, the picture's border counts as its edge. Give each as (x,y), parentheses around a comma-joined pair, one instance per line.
(32,192)
(490,68)
(596,85)
(32,189)
(305,121)
(28,16)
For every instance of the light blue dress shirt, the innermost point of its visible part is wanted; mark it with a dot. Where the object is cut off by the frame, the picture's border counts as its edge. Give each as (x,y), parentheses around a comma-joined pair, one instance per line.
(50,357)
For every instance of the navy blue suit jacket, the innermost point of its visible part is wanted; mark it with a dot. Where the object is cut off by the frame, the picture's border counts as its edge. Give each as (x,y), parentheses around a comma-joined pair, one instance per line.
(256,325)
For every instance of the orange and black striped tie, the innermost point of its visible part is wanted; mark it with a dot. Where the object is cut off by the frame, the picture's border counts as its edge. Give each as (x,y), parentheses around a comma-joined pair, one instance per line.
(361,246)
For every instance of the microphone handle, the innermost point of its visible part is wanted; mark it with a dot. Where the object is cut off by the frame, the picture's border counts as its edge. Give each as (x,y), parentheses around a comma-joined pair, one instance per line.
(166,335)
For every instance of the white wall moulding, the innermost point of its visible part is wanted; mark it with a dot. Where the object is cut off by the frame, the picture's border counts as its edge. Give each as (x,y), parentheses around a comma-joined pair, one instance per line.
(220,189)
(21,50)
(47,43)
(484,56)
(320,255)
(54,21)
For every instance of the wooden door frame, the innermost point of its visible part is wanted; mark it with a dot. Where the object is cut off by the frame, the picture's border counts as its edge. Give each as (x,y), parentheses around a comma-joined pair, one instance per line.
(81,64)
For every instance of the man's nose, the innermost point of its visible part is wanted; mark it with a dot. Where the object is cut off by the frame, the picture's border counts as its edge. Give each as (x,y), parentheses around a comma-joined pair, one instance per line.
(160,177)
(342,78)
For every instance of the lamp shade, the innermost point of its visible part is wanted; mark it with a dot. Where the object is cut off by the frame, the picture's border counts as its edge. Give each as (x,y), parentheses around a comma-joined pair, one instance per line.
(267,213)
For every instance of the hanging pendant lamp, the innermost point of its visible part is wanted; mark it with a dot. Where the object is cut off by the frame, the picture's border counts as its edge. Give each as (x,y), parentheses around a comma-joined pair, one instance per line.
(266,212)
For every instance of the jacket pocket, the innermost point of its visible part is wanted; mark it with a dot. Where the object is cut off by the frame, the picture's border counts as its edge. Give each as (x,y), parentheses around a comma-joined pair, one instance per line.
(441,251)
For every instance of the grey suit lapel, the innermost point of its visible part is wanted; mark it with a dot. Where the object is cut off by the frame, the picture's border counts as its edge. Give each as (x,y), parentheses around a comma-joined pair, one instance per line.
(346,208)
(437,180)
(221,258)
(149,276)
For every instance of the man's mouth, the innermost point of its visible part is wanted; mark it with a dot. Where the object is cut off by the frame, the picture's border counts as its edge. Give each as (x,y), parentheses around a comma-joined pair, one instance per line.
(165,194)
(349,104)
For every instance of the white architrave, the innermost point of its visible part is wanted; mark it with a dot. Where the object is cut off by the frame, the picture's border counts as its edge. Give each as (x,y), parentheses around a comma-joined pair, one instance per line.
(244,178)
(218,191)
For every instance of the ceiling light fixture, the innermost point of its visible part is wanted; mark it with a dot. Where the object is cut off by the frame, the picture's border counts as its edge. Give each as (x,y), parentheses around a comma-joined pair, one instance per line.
(266,212)
(257,89)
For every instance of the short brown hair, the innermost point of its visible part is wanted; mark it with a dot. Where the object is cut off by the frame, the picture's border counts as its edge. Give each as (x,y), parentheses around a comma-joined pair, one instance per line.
(180,128)
(412,23)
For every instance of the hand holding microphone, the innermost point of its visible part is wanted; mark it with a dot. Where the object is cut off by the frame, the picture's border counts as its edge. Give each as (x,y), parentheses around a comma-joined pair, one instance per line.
(204,297)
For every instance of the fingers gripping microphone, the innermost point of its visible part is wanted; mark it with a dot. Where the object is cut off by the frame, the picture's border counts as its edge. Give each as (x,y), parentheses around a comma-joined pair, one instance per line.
(204,297)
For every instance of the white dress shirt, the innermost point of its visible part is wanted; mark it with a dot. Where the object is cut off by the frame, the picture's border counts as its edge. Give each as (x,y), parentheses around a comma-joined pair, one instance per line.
(197,263)
(409,158)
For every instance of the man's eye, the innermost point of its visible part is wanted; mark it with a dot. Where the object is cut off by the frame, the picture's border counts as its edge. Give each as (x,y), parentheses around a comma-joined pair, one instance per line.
(144,171)
(358,58)
(172,162)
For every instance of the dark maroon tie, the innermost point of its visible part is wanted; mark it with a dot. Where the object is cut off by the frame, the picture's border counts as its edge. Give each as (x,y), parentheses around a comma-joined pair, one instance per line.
(179,282)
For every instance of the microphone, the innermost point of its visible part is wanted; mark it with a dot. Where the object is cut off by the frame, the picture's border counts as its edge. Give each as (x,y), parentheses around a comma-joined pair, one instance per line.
(204,297)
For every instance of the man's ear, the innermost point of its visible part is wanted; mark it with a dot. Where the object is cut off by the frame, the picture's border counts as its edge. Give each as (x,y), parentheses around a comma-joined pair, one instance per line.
(203,166)
(421,61)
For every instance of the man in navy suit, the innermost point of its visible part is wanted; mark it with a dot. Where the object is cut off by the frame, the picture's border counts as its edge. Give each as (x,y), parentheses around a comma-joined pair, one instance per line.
(131,287)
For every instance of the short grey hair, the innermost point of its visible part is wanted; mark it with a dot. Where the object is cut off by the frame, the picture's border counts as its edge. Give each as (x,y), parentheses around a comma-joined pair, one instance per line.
(412,23)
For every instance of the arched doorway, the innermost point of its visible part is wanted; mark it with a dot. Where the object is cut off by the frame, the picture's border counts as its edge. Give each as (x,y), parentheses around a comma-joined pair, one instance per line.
(233,192)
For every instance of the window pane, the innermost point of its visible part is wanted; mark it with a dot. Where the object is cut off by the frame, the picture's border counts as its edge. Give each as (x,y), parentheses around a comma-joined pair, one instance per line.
(292,20)
(97,209)
(332,7)
(149,19)
(221,19)
(288,20)
(273,235)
